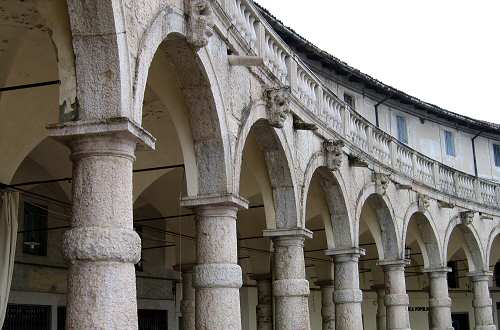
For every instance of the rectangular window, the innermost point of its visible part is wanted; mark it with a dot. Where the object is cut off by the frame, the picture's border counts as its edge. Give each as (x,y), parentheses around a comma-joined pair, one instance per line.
(27,317)
(35,230)
(496,154)
(349,99)
(402,129)
(449,141)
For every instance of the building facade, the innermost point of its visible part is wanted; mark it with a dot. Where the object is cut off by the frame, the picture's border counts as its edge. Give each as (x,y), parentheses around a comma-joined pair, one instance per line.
(196,164)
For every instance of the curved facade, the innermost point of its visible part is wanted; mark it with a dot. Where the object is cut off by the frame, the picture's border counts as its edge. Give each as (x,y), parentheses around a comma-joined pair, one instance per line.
(251,179)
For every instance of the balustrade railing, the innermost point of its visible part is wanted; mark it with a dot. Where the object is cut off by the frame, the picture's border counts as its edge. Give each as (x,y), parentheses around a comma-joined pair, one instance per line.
(334,114)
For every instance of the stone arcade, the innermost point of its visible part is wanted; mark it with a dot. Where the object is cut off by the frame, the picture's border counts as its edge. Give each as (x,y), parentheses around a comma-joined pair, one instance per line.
(198,165)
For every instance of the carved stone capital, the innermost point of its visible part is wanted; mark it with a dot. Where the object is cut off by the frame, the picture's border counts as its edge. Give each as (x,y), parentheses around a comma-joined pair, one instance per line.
(200,22)
(467,217)
(381,181)
(423,202)
(333,153)
(278,105)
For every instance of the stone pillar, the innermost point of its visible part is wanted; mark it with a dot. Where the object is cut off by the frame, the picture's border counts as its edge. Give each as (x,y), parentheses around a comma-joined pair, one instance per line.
(290,287)
(396,299)
(347,296)
(217,275)
(265,301)
(101,245)
(327,304)
(439,300)
(188,296)
(483,313)
(381,310)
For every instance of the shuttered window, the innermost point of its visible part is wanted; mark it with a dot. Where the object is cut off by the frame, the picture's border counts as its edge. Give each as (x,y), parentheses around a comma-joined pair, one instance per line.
(449,141)
(496,154)
(402,129)
(349,99)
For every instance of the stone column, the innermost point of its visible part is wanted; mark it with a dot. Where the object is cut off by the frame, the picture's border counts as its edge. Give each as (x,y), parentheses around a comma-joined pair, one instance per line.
(327,304)
(101,245)
(217,275)
(265,301)
(439,300)
(483,313)
(188,296)
(347,296)
(290,287)
(381,312)
(396,299)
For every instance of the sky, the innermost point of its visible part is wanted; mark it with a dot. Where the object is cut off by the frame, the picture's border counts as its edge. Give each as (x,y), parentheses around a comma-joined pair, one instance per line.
(446,52)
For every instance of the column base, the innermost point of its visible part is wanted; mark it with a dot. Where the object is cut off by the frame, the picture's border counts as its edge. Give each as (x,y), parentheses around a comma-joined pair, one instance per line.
(486,327)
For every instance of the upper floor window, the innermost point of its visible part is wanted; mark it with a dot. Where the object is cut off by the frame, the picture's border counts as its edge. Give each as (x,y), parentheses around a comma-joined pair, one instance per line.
(452,276)
(449,141)
(402,129)
(349,99)
(35,230)
(496,154)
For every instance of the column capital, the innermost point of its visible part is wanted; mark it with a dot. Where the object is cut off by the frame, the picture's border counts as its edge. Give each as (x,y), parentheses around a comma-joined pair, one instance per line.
(353,253)
(118,126)
(393,264)
(433,270)
(209,200)
(288,232)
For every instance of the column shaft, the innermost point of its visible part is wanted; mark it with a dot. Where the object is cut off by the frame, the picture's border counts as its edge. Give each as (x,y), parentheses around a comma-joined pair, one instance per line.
(265,302)
(381,310)
(439,300)
(188,301)
(396,299)
(327,304)
(347,296)
(217,275)
(102,246)
(290,287)
(483,313)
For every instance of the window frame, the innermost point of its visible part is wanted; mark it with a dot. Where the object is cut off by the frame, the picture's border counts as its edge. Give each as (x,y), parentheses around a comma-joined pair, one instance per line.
(496,154)
(402,135)
(353,99)
(34,232)
(451,150)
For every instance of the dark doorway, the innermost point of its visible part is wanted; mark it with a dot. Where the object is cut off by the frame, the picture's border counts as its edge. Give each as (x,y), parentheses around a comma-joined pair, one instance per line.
(150,319)
(460,321)
(27,317)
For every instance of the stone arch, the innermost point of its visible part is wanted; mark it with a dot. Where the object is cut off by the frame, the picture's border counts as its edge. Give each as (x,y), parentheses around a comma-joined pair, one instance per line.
(426,235)
(279,164)
(339,230)
(494,234)
(50,57)
(201,129)
(382,226)
(471,243)
(101,50)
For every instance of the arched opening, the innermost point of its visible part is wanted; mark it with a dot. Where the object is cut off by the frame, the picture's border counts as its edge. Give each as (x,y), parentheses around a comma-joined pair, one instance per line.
(266,182)
(327,217)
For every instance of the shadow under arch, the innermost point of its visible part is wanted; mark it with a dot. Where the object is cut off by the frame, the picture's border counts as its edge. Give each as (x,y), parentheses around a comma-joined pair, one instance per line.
(195,104)
(468,240)
(338,225)
(377,212)
(279,187)
(420,224)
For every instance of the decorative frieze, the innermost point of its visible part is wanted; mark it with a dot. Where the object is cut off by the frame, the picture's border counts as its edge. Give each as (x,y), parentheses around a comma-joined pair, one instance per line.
(278,105)
(200,22)
(333,153)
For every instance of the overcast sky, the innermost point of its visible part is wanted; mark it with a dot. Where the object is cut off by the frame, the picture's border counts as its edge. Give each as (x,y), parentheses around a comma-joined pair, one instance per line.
(446,52)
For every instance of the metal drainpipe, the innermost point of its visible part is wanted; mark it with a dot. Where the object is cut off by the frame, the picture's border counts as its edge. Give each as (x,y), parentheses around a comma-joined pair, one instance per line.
(377,123)
(474,152)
